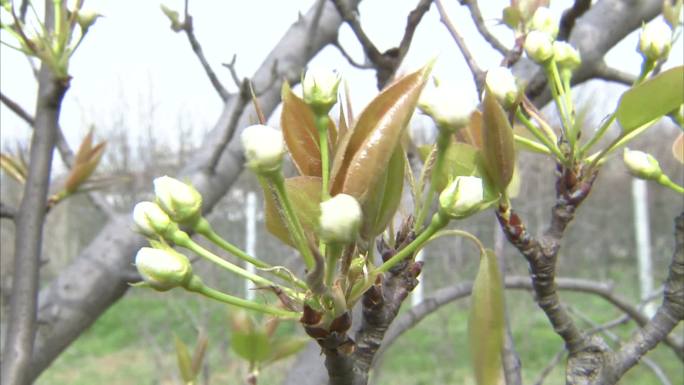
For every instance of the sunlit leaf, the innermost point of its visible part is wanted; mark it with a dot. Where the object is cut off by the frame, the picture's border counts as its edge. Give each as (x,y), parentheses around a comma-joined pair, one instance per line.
(651,99)
(486,322)
(375,136)
(184,360)
(385,198)
(498,142)
(305,194)
(678,148)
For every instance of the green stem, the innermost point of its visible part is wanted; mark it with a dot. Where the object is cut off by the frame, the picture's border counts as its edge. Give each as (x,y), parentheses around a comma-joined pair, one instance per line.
(556,88)
(197,286)
(322,126)
(204,228)
(531,144)
(534,130)
(460,233)
(333,254)
(437,223)
(665,180)
(599,134)
(442,145)
(295,226)
(182,239)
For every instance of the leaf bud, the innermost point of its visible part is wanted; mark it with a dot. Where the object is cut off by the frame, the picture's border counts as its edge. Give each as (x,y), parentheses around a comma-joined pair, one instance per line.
(264,148)
(642,165)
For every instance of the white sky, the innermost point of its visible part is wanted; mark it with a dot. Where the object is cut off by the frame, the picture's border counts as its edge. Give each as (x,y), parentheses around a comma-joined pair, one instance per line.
(133,69)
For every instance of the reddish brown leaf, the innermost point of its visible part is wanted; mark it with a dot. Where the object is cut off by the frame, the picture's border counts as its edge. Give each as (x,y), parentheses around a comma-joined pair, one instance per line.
(498,143)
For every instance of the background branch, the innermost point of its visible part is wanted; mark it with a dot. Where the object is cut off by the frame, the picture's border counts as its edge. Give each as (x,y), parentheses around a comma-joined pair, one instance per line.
(567,21)
(7,211)
(478,20)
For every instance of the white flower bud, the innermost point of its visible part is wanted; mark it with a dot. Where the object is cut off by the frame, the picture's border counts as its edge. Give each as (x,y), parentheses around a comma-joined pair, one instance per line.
(150,219)
(450,110)
(462,197)
(180,200)
(501,82)
(320,89)
(163,269)
(546,21)
(655,40)
(86,19)
(539,46)
(340,219)
(264,148)
(566,55)
(642,165)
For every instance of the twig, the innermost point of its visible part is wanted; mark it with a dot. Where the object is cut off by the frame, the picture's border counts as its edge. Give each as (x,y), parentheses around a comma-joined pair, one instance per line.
(233,71)
(569,17)
(235,113)
(29,222)
(197,49)
(475,70)
(478,20)
(602,71)
(17,109)
(350,59)
(7,211)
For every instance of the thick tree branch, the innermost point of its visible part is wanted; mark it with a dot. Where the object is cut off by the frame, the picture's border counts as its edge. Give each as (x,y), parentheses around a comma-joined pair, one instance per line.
(7,211)
(567,22)
(21,329)
(98,276)
(602,71)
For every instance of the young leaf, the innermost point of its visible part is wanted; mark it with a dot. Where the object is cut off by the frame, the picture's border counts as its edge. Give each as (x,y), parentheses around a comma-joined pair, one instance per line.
(200,350)
(459,159)
(486,322)
(678,148)
(651,99)
(247,340)
(305,195)
(498,143)
(184,360)
(384,200)
(375,136)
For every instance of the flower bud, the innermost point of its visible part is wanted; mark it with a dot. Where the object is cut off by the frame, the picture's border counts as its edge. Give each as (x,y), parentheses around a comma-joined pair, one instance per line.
(539,46)
(264,148)
(320,89)
(150,219)
(501,83)
(180,200)
(546,21)
(566,55)
(642,165)
(340,219)
(450,110)
(86,19)
(163,269)
(655,40)
(462,197)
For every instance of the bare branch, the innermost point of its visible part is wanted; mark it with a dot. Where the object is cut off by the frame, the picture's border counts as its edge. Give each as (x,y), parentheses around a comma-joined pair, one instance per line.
(21,329)
(478,20)
(197,49)
(350,59)
(233,71)
(7,211)
(227,134)
(17,109)
(475,70)
(602,71)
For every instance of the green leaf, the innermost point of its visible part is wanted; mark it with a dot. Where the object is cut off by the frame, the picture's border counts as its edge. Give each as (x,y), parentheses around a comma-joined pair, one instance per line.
(305,194)
(460,159)
(486,322)
(300,133)
(678,148)
(498,143)
(651,99)
(380,126)
(286,347)
(385,198)
(248,341)
(184,360)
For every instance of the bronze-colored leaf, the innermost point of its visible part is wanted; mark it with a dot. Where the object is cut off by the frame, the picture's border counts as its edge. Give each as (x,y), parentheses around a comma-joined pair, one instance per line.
(84,149)
(472,133)
(385,198)
(184,360)
(300,133)
(498,143)
(486,322)
(84,167)
(375,136)
(305,195)
(200,351)
(14,167)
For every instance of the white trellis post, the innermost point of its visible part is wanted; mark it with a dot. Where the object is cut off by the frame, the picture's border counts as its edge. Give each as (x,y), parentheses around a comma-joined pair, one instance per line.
(250,239)
(417,293)
(643,241)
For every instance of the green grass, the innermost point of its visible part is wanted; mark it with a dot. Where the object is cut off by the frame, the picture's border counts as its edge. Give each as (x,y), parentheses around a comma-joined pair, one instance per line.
(132,343)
